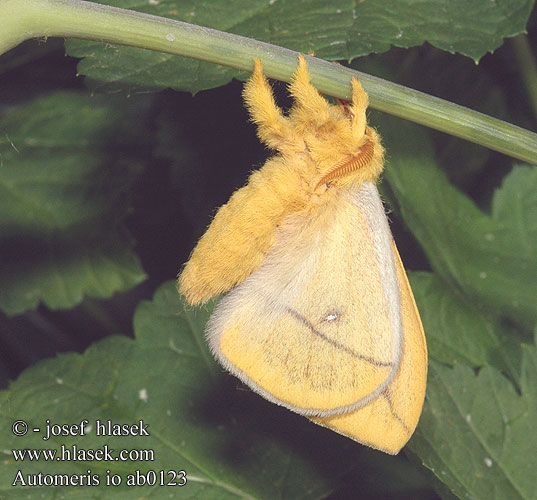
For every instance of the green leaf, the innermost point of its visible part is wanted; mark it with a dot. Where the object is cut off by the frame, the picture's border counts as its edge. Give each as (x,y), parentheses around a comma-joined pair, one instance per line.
(492,259)
(231,442)
(477,434)
(470,28)
(458,332)
(63,196)
(340,29)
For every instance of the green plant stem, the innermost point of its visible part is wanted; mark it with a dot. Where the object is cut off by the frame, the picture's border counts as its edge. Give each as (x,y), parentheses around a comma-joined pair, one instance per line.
(24,19)
(527,67)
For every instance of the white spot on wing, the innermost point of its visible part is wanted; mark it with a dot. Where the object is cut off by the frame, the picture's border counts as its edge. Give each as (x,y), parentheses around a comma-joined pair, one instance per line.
(488,461)
(170,37)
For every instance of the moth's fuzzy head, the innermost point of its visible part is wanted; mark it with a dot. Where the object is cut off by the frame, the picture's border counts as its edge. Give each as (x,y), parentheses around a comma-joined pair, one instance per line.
(330,144)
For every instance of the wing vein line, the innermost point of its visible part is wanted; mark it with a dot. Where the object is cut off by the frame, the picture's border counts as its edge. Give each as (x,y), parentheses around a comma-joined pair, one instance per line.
(394,413)
(335,343)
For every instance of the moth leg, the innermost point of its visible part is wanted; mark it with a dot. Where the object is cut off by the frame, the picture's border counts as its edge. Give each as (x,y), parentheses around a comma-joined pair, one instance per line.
(272,124)
(309,104)
(360,102)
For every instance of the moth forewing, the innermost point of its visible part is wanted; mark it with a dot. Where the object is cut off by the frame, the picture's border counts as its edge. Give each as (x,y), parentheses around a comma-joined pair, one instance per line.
(327,296)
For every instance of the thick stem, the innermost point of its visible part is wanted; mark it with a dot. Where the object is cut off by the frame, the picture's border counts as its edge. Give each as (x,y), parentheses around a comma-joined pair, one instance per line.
(24,19)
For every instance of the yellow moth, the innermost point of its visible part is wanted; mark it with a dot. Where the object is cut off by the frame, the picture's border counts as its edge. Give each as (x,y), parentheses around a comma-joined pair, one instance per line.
(320,317)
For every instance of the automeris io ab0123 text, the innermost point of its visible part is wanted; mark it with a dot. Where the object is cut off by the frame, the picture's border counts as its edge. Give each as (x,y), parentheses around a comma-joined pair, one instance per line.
(320,317)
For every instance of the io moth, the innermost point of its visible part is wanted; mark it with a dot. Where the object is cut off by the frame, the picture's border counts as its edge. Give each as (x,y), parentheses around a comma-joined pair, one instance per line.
(319,317)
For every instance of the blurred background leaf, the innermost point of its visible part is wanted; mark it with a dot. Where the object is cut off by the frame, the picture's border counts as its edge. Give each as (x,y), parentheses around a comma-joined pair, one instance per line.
(459,332)
(64,190)
(490,258)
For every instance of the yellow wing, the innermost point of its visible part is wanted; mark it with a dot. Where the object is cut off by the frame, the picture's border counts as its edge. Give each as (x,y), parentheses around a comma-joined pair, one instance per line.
(389,421)
(327,325)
